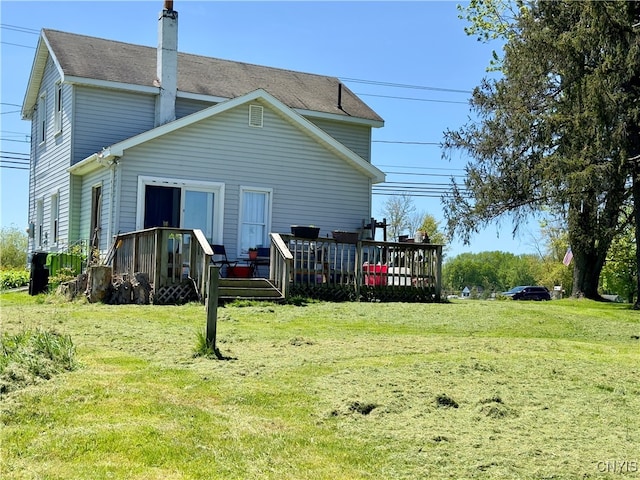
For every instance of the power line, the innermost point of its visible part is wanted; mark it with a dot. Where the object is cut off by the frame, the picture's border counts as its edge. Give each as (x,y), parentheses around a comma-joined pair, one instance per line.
(411,98)
(11,140)
(17,28)
(424,168)
(22,161)
(14,153)
(426,174)
(403,85)
(10,104)
(13,168)
(406,143)
(3,162)
(18,45)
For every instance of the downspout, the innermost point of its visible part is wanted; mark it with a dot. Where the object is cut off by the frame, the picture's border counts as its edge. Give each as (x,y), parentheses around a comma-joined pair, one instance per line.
(112,164)
(112,200)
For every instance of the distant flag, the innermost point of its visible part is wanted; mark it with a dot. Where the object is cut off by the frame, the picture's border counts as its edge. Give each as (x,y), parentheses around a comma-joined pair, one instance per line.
(567,257)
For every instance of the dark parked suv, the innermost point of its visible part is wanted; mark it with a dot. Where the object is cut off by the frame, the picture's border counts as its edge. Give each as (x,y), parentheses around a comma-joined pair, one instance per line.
(532,293)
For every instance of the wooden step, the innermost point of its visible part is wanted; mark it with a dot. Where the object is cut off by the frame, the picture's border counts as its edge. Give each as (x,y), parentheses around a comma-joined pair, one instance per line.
(248,288)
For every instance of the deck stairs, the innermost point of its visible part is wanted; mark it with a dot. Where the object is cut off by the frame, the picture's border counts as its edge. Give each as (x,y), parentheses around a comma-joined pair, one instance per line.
(230,289)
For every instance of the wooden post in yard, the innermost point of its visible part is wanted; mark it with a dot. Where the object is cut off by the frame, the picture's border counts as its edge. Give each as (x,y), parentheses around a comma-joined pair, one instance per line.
(212,305)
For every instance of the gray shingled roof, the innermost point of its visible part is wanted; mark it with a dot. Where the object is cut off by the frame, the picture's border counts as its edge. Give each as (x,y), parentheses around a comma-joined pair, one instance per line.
(98,59)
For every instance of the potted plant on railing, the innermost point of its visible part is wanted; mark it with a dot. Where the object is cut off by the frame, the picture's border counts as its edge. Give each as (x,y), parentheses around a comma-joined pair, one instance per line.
(253,253)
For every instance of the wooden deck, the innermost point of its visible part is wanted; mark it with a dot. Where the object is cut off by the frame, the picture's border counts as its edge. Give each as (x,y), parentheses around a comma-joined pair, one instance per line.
(177,260)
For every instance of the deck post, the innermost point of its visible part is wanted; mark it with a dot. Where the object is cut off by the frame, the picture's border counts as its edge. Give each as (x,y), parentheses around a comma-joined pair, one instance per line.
(358,267)
(438,272)
(212,305)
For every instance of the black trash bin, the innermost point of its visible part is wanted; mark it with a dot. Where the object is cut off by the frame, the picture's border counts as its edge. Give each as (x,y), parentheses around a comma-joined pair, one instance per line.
(39,277)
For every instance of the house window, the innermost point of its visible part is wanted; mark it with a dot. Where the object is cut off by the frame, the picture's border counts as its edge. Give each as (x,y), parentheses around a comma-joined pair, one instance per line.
(42,118)
(96,208)
(55,208)
(39,223)
(255,218)
(57,119)
(181,204)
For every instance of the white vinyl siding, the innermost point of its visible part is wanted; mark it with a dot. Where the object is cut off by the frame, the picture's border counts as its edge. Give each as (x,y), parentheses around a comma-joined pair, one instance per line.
(51,159)
(311,185)
(187,106)
(356,138)
(102,179)
(104,117)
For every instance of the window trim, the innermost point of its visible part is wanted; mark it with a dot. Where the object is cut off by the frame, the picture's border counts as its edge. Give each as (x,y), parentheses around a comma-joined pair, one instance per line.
(54,217)
(217,188)
(42,118)
(268,214)
(57,109)
(39,239)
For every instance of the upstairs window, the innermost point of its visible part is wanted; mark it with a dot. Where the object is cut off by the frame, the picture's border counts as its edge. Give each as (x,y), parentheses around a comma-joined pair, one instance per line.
(57,119)
(42,118)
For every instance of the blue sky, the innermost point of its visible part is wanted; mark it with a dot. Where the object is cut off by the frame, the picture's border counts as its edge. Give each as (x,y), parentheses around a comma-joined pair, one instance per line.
(405,44)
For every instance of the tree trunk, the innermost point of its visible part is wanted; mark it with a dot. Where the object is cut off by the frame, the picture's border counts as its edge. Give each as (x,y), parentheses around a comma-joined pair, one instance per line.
(98,284)
(586,274)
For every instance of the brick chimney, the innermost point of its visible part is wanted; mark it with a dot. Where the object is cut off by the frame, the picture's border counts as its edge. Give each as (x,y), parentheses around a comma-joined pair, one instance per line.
(167,64)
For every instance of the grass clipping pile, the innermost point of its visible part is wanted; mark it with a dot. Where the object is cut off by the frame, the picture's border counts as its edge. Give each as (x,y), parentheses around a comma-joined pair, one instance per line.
(30,357)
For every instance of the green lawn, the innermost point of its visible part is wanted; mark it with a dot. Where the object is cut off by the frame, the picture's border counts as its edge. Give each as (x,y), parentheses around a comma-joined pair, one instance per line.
(473,389)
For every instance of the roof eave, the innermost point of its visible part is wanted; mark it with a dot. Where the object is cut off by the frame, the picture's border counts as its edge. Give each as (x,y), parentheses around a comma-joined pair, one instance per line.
(111,85)
(340,118)
(35,79)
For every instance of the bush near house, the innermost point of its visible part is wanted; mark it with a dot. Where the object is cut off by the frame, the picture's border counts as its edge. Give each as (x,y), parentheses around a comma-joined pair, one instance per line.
(13,248)
(14,278)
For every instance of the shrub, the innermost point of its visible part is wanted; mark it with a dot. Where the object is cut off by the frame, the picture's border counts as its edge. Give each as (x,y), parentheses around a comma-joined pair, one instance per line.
(14,278)
(13,248)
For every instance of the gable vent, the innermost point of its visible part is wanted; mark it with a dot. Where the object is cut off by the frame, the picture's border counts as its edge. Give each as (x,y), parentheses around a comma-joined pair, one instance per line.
(255,115)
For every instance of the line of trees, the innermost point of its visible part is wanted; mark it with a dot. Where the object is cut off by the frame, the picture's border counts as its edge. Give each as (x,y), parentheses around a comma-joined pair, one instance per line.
(497,271)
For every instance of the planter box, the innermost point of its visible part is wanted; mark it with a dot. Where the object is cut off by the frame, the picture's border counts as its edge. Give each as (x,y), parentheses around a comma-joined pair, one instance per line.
(345,237)
(305,232)
(239,271)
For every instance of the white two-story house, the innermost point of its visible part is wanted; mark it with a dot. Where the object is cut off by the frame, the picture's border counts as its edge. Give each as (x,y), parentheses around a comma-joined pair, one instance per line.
(126,137)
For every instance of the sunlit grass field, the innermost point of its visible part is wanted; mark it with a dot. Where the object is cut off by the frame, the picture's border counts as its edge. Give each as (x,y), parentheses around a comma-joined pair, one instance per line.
(471,389)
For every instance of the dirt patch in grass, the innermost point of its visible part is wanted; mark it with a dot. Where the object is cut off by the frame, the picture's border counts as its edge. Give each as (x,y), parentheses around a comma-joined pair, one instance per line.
(445,401)
(364,408)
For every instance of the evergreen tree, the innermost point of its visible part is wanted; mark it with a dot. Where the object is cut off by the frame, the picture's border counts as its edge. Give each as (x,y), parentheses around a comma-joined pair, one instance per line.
(558,129)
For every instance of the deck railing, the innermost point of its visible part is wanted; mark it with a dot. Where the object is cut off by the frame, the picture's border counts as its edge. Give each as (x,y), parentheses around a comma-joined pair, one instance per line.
(322,267)
(167,255)
(364,269)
